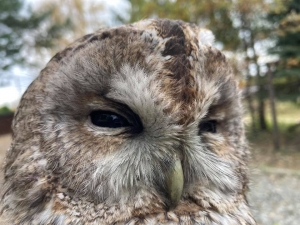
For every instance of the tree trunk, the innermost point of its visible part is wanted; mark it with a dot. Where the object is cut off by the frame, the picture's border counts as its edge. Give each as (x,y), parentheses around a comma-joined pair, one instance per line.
(260,84)
(248,95)
(249,100)
(261,114)
(276,136)
(248,41)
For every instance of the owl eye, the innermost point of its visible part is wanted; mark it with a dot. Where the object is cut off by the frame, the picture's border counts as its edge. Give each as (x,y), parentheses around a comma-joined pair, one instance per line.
(108,119)
(208,126)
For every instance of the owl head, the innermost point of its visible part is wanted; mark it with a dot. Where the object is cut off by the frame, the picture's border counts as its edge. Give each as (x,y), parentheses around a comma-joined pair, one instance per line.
(138,124)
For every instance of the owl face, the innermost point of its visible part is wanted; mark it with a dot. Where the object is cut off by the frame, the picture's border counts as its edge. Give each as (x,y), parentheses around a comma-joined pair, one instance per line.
(145,118)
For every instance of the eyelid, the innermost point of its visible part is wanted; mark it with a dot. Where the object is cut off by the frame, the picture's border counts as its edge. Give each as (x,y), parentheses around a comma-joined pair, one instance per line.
(106,104)
(209,126)
(127,114)
(108,119)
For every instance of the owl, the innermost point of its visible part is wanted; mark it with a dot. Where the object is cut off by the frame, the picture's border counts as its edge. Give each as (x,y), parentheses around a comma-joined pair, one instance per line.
(138,124)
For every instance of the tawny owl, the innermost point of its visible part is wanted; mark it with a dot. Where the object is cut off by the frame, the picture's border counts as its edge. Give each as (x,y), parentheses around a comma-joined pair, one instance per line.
(139,124)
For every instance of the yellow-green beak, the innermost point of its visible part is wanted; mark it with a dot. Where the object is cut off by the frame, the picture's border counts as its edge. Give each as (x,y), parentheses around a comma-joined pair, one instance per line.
(175,182)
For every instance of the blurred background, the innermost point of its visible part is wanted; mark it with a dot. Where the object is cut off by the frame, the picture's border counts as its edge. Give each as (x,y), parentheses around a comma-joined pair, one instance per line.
(261,39)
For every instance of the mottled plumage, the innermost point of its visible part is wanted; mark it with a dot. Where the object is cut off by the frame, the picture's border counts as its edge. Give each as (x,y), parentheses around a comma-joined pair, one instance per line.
(182,102)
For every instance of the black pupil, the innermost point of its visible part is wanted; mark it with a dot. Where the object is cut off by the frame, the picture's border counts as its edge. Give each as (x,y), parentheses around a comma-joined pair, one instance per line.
(108,119)
(208,126)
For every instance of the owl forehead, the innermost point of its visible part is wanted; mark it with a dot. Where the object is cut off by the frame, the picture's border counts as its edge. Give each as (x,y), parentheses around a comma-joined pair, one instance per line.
(164,54)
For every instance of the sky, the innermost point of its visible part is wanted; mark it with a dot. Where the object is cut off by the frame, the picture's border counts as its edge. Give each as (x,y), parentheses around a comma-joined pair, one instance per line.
(10,94)
(21,78)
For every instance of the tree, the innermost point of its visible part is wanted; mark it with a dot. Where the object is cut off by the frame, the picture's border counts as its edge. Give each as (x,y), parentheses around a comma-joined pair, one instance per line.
(214,14)
(238,25)
(20,28)
(84,16)
(287,36)
(253,28)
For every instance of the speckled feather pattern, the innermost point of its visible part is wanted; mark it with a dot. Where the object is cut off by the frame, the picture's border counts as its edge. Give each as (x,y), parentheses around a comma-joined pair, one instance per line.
(61,169)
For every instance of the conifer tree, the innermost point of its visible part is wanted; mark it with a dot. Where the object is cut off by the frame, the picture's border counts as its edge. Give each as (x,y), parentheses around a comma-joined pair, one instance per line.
(21,27)
(288,49)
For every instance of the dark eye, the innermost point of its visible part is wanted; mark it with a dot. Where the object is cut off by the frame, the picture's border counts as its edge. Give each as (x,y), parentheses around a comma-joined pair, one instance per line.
(208,126)
(108,119)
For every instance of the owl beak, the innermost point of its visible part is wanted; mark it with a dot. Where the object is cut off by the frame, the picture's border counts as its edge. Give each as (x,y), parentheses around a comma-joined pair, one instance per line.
(175,182)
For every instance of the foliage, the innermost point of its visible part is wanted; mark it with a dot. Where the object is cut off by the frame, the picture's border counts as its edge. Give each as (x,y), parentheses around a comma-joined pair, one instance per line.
(5,111)
(21,28)
(226,18)
(238,25)
(216,15)
(287,21)
(84,16)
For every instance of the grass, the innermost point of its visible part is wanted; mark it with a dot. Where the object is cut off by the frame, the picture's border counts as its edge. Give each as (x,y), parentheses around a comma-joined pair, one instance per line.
(288,115)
